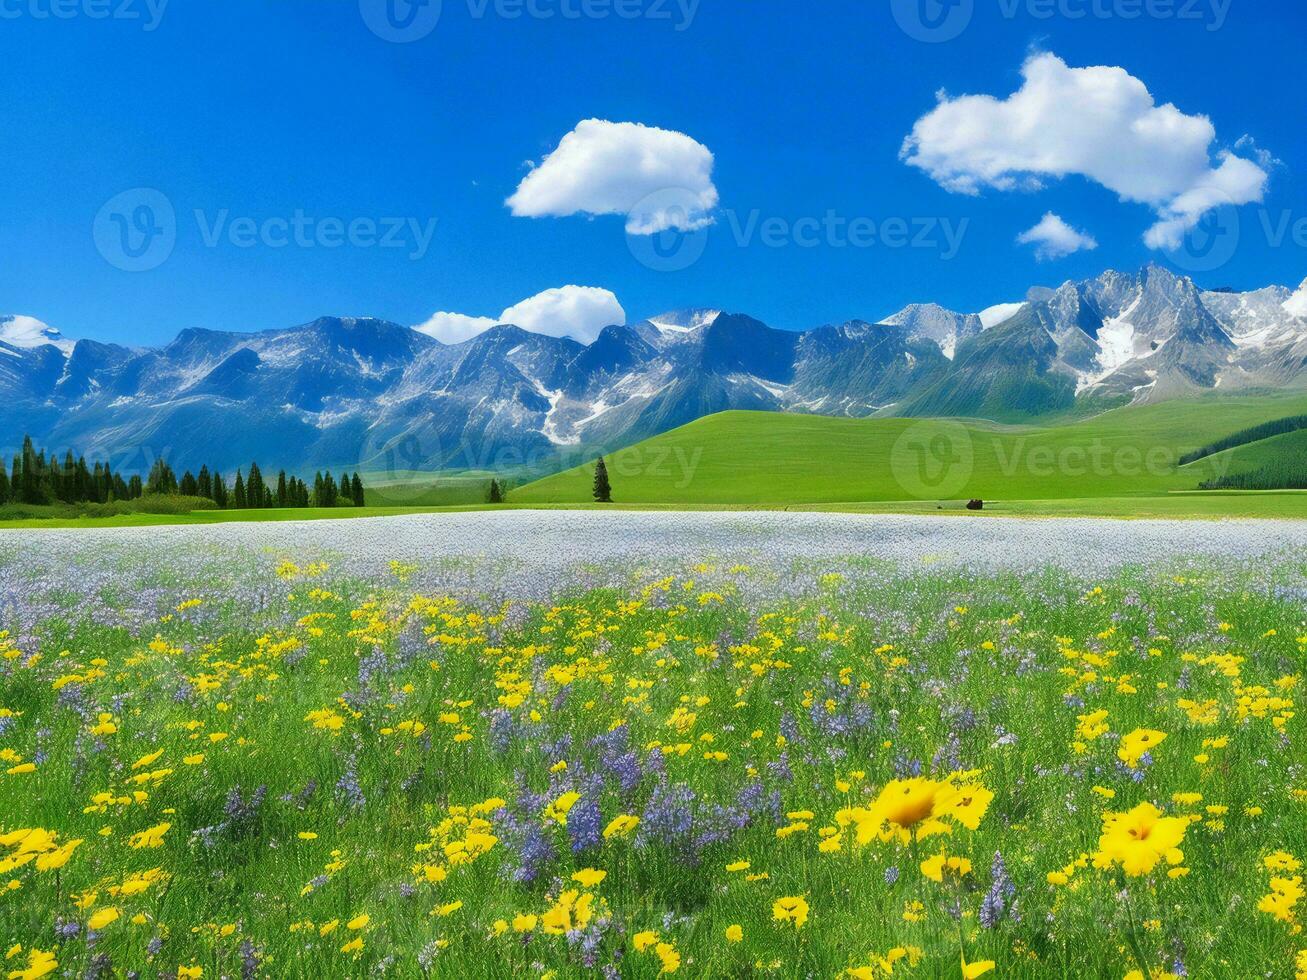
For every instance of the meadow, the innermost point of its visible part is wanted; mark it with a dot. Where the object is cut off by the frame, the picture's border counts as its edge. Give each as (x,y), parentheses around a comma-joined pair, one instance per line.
(769,459)
(217,763)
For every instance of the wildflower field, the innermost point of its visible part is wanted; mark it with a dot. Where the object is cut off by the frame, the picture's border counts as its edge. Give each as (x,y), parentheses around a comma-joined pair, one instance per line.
(225,765)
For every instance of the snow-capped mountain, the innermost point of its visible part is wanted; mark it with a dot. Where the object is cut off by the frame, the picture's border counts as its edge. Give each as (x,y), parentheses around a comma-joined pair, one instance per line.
(369,394)
(27,333)
(929,321)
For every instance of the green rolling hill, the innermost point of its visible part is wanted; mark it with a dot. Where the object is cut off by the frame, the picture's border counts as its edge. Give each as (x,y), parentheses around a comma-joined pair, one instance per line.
(770,459)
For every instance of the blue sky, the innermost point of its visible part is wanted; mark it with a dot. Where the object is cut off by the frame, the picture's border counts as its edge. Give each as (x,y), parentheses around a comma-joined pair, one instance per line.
(252,112)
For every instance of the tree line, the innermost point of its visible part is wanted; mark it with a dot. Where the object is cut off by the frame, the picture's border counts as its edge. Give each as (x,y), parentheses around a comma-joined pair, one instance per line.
(37,477)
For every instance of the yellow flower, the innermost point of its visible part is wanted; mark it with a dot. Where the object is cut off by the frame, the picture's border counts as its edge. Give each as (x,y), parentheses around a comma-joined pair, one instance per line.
(670,958)
(734,934)
(908,807)
(524,923)
(790,908)
(353,946)
(149,838)
(969,805)
(643,940)
(940,864)
(1134,745)
(558,809)
(1140,838)
(358,922)
(589,877)
(39,964)
(978,969)
(1284,895)
(102,918)
(620,826)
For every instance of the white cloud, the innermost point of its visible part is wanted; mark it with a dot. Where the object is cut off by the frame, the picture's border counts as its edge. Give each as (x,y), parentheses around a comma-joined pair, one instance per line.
(1100,123)
(1296,305)
(579,312)
(454,328)
(658,178)
(1053,238)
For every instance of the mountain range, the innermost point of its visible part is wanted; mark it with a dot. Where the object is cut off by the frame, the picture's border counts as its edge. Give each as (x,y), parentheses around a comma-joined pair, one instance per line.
(369,394)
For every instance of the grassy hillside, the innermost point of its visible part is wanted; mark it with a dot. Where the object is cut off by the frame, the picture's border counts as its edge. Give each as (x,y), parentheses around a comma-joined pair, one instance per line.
(428,490)
(1255,455)
(769,459)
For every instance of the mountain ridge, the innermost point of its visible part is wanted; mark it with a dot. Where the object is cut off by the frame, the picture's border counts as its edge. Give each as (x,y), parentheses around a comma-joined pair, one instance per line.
(365,393)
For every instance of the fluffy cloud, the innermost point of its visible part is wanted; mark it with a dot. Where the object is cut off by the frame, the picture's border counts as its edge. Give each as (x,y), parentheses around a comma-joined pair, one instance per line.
(579,312)
(1100,123)
(454,328)
(1053,238)
(660,179)
(1296,305)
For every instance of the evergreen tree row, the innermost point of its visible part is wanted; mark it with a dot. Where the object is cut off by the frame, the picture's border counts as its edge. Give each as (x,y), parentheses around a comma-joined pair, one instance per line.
(252,490)
(35,477)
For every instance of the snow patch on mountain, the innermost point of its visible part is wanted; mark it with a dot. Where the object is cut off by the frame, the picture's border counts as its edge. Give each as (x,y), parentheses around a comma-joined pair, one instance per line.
(29,333)
(1116,340)
(930,321)
(999,313)
(684,321)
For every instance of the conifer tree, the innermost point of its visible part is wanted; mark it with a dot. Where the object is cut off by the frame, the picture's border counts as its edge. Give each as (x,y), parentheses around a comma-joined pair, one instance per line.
(603,491)
(282,490)
(496,494)
(220,490)
(161,479)
(204,483)
(188,487)
(356,491)
(239,500)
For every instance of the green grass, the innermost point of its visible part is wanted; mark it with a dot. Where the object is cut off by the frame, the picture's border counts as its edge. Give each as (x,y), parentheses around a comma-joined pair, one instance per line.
(281,766)
(758,458)
(1256,455)
(210,517)
(429,490)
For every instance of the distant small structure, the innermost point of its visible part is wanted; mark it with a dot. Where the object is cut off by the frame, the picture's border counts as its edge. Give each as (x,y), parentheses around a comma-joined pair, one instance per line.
(975,504)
